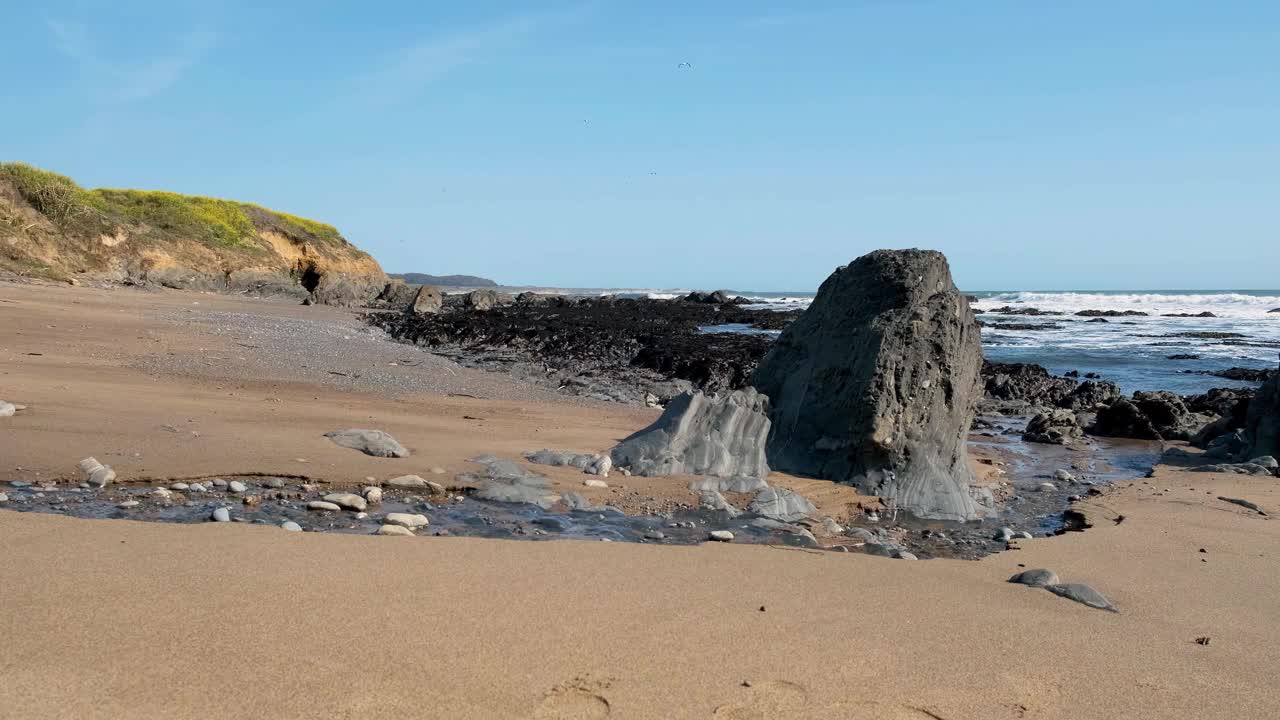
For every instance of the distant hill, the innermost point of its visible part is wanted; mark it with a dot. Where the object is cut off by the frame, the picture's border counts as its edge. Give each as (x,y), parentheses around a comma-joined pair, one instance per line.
(51,227)
(445,280)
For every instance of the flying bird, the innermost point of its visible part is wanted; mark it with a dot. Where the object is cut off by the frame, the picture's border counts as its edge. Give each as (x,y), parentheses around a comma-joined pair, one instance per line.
(685,65)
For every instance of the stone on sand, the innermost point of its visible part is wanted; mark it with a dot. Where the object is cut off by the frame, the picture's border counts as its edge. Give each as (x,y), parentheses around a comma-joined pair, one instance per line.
(407,481)
(720,535)
(128,504)
(291,526)
(1038,577)
(7,409)
(877,383)
(372,495)
(4,498)
(236,486)
(370,442)
(221,515)
(1082,594)
(699,434)
(408,520)
(712,500)
(321,505)
(594,483)
(347,501)
(97,474)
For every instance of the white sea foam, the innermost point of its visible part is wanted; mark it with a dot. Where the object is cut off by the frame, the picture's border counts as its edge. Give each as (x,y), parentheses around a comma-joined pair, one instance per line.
(1225,304)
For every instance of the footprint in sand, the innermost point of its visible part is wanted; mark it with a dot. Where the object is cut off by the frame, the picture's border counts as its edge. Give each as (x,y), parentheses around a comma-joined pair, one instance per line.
(577,700)
(781,699)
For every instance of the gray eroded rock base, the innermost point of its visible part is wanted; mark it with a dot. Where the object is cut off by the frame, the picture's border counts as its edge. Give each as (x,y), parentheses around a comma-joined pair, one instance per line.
(698,434)
(370,442)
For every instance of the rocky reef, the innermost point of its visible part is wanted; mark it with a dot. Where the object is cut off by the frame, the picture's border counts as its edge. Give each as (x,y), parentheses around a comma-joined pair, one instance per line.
(52,228)
(877,382)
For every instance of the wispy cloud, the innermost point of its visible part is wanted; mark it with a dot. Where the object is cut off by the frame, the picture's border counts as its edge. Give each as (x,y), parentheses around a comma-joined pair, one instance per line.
(408,72)
(130,80)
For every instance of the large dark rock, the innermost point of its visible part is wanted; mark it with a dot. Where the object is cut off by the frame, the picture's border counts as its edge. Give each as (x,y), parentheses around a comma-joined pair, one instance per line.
(1024,382)
(1262,427)
(397,295)
(1158,415)
(1090,394)
(1053,427)
(877,382)
(428,300)
(1111,313)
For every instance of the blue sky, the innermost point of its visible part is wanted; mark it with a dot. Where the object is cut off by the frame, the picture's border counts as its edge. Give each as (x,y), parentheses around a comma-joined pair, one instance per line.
(1084,145)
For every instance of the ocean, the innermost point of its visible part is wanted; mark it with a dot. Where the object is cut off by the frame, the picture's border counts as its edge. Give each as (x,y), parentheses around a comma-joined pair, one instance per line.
(1135,352)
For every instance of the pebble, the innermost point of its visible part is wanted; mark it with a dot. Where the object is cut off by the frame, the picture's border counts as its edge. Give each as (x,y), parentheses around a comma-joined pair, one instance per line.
(1082,594)
(274,483)
(594,483)
(218,483)
(236,486)
(162,492)
(408,520)
(347,501)
(197,488)
(437,471)
(221,515)
(1005,534)
(1038,577)
(721,535)
(373,495)
(128,504)
(655,535)
(1046,487)
(179,487)
(4,498)
(394,530)
(361,515)
(19,484)
(322,505)
(291,526)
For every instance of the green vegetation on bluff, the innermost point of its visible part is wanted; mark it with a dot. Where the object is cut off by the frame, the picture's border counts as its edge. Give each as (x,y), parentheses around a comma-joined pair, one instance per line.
(211,221)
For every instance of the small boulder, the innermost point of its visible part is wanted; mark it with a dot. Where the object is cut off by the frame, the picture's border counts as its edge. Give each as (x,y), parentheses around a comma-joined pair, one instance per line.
(7,409)
(779,503)
(373,495)
(1082,594)
(482,299)
(347,501)
(1064,476)
(408,520)
(97,474)
(128,504)
(1036,578)
(370,442)
(699,434)
(236,486)
(712,500)
(721,535)
(1054,427)
(221,515)
(291,526)
(428,301)
(1046,487)
(323,506)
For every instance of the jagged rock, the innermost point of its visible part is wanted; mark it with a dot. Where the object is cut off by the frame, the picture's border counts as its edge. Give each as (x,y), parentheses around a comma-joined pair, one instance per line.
(1055,427)
(97,474)
(739,484)
(698,434)
(1158,415)
(1248,468)
(1083,594)
(1124,419)
(428,301)
(344,290)
(370,442)
(1228,446)
(876,383)
(590,463)
(1262,427)
(541,299)
(1089,394)
(1024,382)
(712,500)
(1111,313)
(781,504)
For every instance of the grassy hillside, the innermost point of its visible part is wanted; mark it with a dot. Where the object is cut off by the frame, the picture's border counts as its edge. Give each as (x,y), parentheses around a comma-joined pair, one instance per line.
(51,226)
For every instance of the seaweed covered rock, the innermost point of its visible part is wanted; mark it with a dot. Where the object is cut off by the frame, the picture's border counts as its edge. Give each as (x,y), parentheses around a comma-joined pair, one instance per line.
(699,434)
(877,382)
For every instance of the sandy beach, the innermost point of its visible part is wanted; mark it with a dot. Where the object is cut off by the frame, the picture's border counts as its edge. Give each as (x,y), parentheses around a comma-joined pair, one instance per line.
(116,619)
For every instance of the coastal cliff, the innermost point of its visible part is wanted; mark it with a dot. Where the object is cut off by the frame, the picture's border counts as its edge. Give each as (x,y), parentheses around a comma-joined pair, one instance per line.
(50,227)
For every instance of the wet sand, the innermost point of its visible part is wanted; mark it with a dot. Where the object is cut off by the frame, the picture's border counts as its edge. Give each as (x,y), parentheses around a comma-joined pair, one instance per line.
(112,618)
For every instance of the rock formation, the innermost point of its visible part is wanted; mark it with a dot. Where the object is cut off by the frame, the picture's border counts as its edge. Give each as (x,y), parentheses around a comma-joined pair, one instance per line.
(877,382)
(1262,427)
(698,434)
(427,301)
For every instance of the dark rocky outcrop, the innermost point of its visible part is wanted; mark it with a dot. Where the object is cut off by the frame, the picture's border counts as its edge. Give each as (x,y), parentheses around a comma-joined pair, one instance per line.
(1111,313)
(483,299)
(702,434)
(1158,415)
(1262,426)
(877,382)
(1205,314)
(1010,310)
(1239,373)
(396,295)
(1055,427)
(1274,310)
(718,297)
(1024,382)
